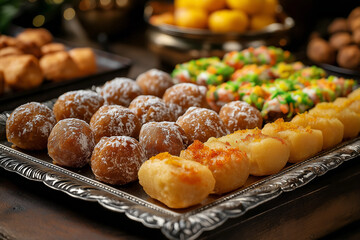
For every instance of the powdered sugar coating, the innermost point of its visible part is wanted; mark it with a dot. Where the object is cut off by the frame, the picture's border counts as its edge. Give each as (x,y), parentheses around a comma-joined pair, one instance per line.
(239,115)
(120,91)
(157,137)
(151,109)
(114,120)
(201,124)
(29,126)
(116,160)
(186,95)
(81,104)
(154,82)
(71,143)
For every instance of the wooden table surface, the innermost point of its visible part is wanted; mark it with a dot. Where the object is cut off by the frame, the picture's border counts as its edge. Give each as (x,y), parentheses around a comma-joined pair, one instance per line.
(329,206)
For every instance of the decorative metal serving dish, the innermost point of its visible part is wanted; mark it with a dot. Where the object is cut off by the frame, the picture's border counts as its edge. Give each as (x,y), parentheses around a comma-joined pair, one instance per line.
(186,223)
(175,45)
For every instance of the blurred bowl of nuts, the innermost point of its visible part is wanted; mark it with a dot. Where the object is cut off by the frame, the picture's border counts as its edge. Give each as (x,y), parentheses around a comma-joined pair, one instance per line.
(184,29)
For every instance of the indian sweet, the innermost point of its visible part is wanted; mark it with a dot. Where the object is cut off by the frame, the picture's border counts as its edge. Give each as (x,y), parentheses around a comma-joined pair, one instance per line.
(81,104)
(201,124)
(267,155)
(71,143)
(238,115)
(154,82)
(85,60)
(332,129)
(120,91)
(114,120)
(174,181)
(229,165)
(158,137)
(29,126)
(116,160)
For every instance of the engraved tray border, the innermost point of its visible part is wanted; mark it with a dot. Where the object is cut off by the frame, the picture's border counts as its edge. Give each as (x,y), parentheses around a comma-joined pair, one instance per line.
(187,225)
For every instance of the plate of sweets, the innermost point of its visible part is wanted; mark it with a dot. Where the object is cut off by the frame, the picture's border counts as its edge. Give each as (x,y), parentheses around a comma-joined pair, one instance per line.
(185,151)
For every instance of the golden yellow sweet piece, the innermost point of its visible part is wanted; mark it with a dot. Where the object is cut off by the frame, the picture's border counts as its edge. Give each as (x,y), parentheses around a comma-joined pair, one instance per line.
(331,128)
(267,155)
(260,21)
(352,104)
(191,18)
(350,119)
(228,21)
(229,165)
(248,6)
(354,94)
(303,142)
(209,5)
(174,181)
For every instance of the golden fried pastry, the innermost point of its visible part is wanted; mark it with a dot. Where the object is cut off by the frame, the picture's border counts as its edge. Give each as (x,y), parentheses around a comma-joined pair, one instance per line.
(85,60)
(150,108)
(201,124)
(186,95)
(332,129)
(339,40)
(348,118)
(239,115)
(51,48)
(2,83)
(319,50)
(59,66)
(304,142)
(116,160)
(349,56)
(174,181)
(21,72)
(29,125)
(71,143)
(81,104)
(229,166)
(154,82)
(338,25)
(354,94)
(352,104)
(37,36)
(120,91)
(158,137)
(9,51)
(114,120)
(267,155)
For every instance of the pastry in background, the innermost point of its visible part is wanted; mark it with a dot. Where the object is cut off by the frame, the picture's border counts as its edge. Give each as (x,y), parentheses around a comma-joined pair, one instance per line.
(349,57)
(9,51)
(21,72)
(2,83)
(320,51)
(85,60)
(51,48)
(174,181)
(37,36)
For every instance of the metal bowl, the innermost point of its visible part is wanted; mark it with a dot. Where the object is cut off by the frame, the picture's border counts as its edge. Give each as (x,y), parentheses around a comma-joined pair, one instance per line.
(175,45)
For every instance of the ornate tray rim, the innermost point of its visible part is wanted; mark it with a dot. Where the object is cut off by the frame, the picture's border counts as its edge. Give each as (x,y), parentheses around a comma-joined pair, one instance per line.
(173,225)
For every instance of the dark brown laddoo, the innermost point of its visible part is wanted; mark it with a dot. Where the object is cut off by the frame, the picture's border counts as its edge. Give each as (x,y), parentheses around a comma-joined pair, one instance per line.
(339,40)
(116,160)
(29,125)
(114,120)
(151,109)
(186,95)
(71,143)
(154,82)
(239,115)
(81,104)
(201,124)
(320,51)
(338,25)
(158,137)
(349,56)
(120,91)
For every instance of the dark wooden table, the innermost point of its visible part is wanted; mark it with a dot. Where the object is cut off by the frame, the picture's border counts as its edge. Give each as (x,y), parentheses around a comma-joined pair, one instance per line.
(328,207)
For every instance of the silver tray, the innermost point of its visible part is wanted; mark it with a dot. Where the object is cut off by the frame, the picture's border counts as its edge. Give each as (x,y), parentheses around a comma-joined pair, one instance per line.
(175,224)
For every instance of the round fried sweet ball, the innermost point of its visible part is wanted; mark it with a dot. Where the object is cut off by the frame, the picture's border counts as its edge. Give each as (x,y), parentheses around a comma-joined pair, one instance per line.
(338,25)
(238,115)
(81,104)
(154,82)
(319,50)
(201,124)
(116,160)
(71,143)
(339,40)
(120,91)
(158,137)
(114,120)
(29,125)
(349,56)
(186,95)
(151,109)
